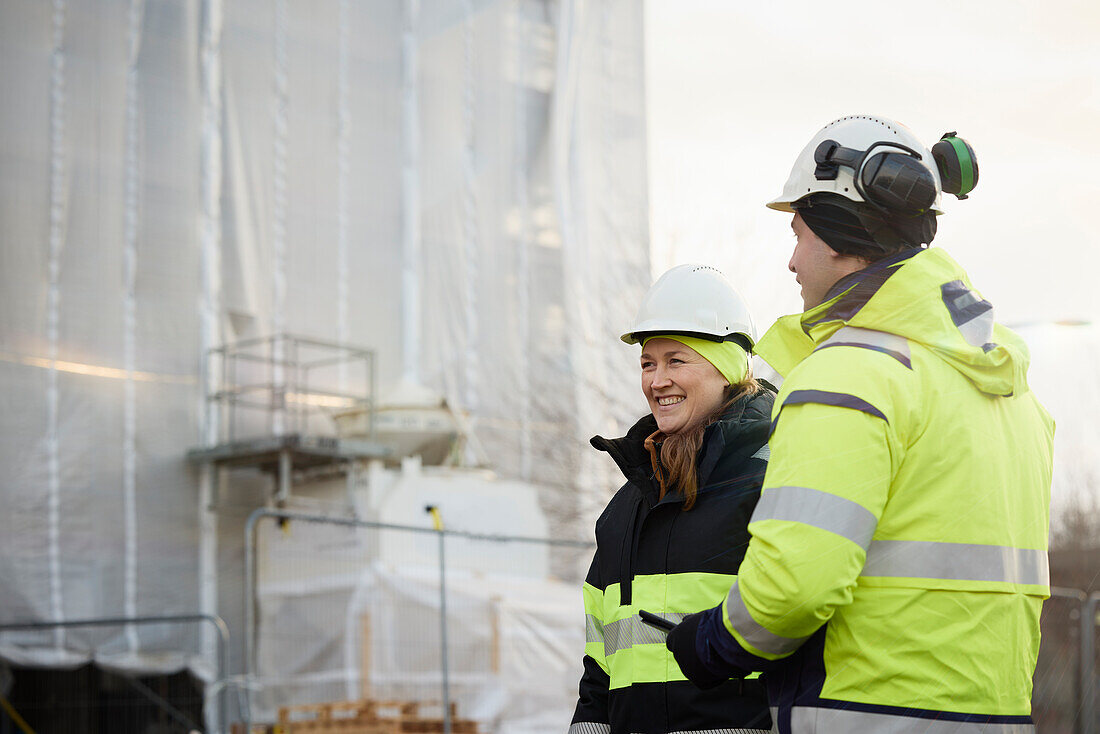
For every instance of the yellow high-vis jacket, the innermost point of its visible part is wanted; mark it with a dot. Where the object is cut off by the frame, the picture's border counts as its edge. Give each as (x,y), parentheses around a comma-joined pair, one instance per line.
(898,560)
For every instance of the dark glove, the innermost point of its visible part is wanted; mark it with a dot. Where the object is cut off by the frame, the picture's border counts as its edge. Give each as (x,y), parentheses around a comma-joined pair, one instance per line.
(683,641)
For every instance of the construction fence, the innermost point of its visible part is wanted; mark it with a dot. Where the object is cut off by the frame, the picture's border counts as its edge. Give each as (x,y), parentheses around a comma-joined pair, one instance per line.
(368,626)
(1064,698)
(449,629)
(356,626)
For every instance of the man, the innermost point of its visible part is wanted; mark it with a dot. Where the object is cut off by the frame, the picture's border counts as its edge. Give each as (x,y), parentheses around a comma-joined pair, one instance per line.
(897,565)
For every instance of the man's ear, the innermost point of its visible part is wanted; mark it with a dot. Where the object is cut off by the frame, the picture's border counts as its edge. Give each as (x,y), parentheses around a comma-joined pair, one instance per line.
(859,262)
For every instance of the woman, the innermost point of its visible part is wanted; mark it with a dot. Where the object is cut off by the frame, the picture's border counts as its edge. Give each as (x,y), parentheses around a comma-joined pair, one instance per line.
(671,540)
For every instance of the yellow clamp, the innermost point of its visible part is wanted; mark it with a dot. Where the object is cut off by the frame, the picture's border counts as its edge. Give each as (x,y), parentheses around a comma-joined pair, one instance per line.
(437,519)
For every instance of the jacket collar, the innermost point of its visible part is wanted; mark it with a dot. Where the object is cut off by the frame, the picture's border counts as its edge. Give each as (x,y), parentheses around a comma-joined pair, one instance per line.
(745,416)
(852,292)
(923,296)
(789,340)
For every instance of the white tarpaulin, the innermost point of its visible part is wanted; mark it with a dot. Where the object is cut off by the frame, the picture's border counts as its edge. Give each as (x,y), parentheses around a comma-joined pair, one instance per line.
(513,644)
(459,185)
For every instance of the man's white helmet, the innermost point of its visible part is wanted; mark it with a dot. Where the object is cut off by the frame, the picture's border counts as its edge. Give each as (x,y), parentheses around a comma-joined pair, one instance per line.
(876,136)
(693,300)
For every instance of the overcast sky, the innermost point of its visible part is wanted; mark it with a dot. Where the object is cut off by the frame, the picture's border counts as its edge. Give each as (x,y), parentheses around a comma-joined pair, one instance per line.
(735,90)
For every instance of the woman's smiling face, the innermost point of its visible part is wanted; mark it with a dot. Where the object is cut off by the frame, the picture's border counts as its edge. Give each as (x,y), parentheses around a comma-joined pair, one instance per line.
(682,388)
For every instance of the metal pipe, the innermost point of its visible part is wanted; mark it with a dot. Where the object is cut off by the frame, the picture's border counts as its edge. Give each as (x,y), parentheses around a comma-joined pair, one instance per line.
(285,470)
(298,417)
(1088,665)
(231,425)
(262,359)
(327,344)
(1080,597)
(213,435)
(373,387)
(218,623)
(249,611)
(355,522)
(443,633)
(352,475)
(352,354)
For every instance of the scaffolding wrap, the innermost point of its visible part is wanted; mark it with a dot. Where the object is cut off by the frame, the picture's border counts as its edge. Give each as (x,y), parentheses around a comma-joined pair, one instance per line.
(458,188)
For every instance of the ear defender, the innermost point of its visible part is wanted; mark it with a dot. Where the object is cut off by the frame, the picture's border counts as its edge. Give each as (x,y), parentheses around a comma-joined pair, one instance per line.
(957,164)
(898,182)
(892,181)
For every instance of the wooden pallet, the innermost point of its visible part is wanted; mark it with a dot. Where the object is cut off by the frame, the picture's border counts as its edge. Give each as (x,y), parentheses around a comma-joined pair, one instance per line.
(239,728)
(365,717)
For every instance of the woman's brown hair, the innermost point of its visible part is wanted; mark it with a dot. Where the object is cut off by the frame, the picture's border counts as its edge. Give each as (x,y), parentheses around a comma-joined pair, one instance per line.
(679,451)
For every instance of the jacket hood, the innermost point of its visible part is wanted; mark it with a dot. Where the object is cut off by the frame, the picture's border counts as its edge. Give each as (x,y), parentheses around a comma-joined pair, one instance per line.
(741,428)
(924,296)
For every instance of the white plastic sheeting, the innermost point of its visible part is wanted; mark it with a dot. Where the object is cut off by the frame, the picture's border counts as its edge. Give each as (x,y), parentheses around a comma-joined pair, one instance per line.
(512,642)
(345,613)
(461,186)
(98,325)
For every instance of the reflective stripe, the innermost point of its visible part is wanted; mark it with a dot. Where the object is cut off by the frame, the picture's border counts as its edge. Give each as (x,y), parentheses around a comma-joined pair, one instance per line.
(972,314)
(764,453)
(589,727)
(838,399)
(847,721)
(755,634)
(879,341)
(593,629)
(818,509)
(625,633)
(957,561)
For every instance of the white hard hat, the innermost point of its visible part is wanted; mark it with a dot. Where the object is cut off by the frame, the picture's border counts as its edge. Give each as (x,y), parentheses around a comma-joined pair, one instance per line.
(861,143)
(693,300)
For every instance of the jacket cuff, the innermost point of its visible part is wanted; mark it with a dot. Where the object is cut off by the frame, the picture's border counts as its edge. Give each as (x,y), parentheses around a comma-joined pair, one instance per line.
(719,650)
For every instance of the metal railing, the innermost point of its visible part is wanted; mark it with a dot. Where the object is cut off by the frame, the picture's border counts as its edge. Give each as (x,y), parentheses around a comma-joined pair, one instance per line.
(1088,664)
(442,536)
(289,379)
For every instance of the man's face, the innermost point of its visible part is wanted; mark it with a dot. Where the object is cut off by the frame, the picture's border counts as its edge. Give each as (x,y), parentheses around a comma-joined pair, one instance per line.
(816,265)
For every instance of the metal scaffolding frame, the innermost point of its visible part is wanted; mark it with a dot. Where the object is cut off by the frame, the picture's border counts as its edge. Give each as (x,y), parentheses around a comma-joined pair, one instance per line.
(277,377)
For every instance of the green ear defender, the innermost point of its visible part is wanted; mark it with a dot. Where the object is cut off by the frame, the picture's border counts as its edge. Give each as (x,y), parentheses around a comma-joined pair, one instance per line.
(957,164)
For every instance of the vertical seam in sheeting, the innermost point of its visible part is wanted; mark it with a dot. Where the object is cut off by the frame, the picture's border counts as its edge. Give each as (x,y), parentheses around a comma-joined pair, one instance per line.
(607,293)
(210,309)
(58,210)
(523,281)
(210,227)
(563,114)
(129,319)
(410,194)
(352,632)
(343,170)
(278,215)
(469,210)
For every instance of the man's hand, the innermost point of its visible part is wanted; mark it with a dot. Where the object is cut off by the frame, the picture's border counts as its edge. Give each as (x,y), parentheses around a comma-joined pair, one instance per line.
(685,642)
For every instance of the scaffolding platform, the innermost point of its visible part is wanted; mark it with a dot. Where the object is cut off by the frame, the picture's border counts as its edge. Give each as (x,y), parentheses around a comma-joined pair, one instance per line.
(305,452)
(272,405)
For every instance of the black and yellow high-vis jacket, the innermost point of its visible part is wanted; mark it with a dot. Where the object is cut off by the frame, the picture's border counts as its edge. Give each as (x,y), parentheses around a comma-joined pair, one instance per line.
(652,555)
